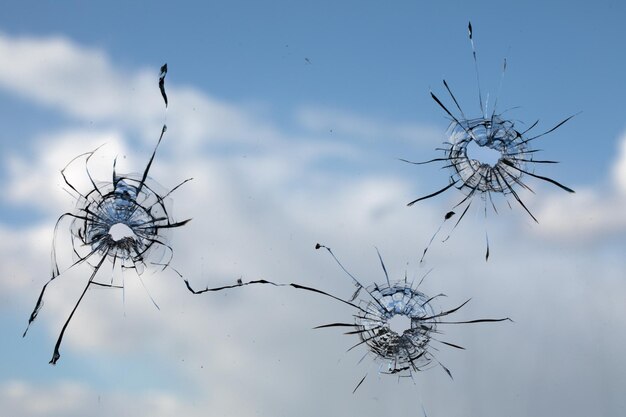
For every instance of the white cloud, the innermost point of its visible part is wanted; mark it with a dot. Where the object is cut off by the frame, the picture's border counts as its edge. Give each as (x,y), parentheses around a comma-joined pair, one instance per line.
(55,72)
(593,213)
(257,214)
(85,84)
(345,123)
(619,169)
(74,399)
(39,183)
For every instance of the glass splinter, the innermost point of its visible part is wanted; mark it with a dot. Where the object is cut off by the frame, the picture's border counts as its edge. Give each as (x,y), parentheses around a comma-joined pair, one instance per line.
(398,323)
(125,220)
(394,320)
(486,155)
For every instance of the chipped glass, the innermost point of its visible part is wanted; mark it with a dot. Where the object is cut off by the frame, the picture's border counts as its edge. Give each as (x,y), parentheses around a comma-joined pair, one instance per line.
(486,155)
(396,322)
(125,220)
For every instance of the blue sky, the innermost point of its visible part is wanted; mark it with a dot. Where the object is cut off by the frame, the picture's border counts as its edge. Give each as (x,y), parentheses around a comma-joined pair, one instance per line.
(372,60)
(290,117)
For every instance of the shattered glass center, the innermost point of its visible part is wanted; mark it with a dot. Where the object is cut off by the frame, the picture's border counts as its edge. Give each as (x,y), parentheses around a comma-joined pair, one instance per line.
(486,155)
(399,323)
(400,350)
(120,231)
(483,154)
(120,225)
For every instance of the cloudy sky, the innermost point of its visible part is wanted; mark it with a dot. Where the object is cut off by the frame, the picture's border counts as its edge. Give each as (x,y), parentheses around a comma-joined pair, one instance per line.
(291,119)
